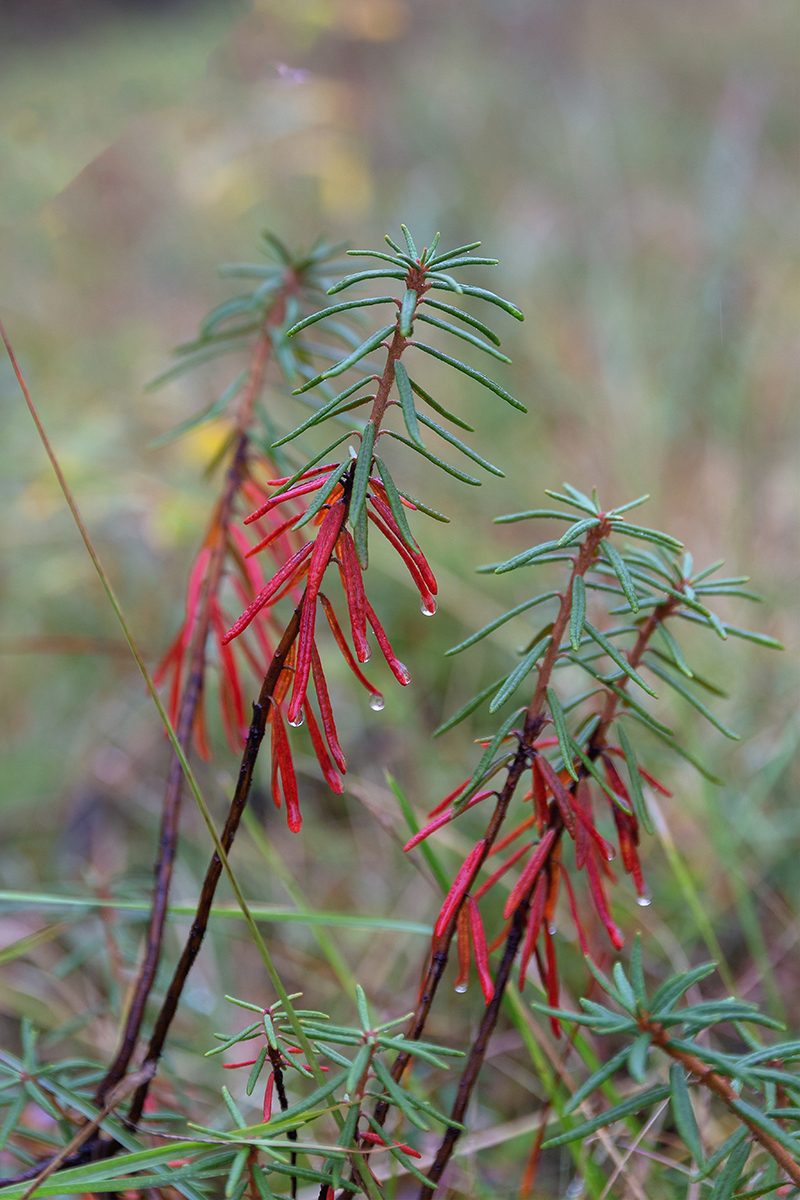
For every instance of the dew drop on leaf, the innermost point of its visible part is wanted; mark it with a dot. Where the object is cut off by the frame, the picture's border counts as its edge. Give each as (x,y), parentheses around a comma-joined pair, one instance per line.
(298,721)
(644,900)
(377,702)
(461,988)
(428,607)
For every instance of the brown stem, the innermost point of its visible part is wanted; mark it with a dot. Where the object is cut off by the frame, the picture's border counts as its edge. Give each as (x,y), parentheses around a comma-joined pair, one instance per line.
(199,925)
(479,1047)
(478,1051)
(723,1089)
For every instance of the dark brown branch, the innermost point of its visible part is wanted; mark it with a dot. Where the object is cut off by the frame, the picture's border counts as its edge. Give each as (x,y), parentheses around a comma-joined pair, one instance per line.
(191,697)
(200,924)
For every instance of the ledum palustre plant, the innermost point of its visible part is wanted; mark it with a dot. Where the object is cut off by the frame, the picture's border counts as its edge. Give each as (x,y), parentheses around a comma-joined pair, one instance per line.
(285,531)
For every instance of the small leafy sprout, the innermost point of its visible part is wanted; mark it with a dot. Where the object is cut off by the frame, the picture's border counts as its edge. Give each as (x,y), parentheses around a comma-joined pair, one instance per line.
(747,1082)
(364,1074)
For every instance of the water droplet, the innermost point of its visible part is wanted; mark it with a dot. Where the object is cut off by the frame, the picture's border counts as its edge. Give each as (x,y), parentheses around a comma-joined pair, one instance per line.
(461,988)
(645,899)
(377,702)
(365,655)
(611,854)
(551,929)
(428,606)
(297,722)
(403,671)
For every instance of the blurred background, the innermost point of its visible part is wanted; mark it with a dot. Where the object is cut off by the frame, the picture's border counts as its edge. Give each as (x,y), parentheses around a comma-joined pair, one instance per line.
(633,165)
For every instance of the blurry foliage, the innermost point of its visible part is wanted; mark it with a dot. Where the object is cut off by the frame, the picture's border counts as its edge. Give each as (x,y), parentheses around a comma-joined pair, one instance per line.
(632,165)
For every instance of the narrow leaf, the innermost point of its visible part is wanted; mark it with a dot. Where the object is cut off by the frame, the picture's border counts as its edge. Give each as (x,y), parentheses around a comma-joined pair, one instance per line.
(360,276)
(516,677)
(635,781)
(482,294)
(468,708)
(336,308)
(465,337)
(432,458)
(407,403)
(395,503)
(625,1109)
(467,318)
(407,310)
(361,474)
(560,723)
(695,703)
(437,407)
(454,441)
(623,575)
(618,658)
(490,628)
(577,615)
(344,364)
(478,376)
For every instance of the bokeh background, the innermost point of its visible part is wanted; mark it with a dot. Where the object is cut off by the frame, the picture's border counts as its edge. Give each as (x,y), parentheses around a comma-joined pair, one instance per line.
(633,164)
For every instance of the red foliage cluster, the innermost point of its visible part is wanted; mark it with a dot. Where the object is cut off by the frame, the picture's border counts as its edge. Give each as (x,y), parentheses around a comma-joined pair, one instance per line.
(558,804)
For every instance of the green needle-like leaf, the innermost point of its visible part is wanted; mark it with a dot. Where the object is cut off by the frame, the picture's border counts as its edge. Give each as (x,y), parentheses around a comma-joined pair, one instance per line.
(467,318)
(437,407)
(462,333)
(334,309)
(482,294)
(344,364)
(577,615)
(635,781)
(618,658)
(622,574)
(407,403)
(683,1112)
(395,503)
(360,276)
(538,513)
(407,309)
(361,474)
(468,708)
(454,441)
(432,458)
(560,723)
(518,674)
(626,1109)
(323,494)
(728,1177)
(695,703)
(478,376)
(637,1057)
(490,628)
(412,249)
